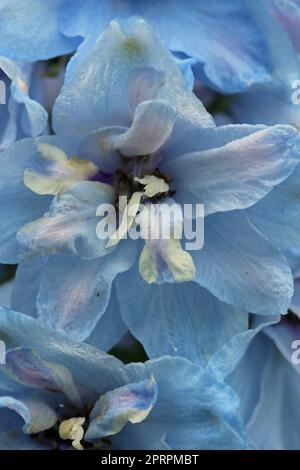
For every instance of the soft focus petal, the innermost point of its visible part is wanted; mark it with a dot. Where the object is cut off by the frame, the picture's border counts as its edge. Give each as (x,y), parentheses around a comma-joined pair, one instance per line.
(222,37)
(29,30)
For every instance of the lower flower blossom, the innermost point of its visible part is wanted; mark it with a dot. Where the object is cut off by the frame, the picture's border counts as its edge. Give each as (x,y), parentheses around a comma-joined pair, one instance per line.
(71,395)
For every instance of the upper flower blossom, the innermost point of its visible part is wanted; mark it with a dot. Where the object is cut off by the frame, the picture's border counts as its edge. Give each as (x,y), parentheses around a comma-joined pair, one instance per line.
(222,36)
(126,125)
(73,395)
(276,103)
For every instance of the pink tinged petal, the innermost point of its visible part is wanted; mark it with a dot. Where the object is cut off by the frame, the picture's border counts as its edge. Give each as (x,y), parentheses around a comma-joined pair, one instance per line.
(29,368)
(131,403)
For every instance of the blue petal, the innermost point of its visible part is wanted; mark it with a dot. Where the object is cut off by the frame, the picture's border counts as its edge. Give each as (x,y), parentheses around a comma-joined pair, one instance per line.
(237,174)
(37,415)
(89,366)
(223,37)
(70,224)
(278,412)
(110,328)
(104,84)
(19,441)
(277,216)
(29,114)
(75,303)
(29,31)
(240,267)
(26,285)
(152,124)
(180,319)
(18,204)
(193,410)
(225,361)
(267,107)
(28,367)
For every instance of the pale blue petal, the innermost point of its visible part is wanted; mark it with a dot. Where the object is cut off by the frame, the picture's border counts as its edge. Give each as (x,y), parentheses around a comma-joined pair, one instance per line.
(26,285)
(88,365)
(29,30)
(74,293)
(152,124)
(110,328)
(22,109)
(70,224)
(180,319)
(226,359)
(277,406)
(222,37)
(37,415)
(277,216)
(237,174)
(28,367)
(240,267)
(267,107)
(104,74)
(193,409)
(18,204)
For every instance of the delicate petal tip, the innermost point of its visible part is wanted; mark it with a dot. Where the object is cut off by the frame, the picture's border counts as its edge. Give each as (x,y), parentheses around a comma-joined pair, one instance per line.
(131,403)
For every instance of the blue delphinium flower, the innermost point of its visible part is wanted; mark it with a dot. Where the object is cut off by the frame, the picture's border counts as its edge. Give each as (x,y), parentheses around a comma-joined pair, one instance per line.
(262,365)
(268,383)
(123,101)
(68,394)
(274,103)
(20,115)
(222,36)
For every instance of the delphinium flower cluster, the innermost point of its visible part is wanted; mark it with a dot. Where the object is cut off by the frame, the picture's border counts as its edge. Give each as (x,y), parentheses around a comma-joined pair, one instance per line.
(149,224)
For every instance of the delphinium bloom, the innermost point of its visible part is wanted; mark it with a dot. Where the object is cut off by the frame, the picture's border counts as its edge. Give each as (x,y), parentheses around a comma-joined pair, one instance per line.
(276,103)
(59,394)
(262,366)
(124,115)
(230,50)
(267,383)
